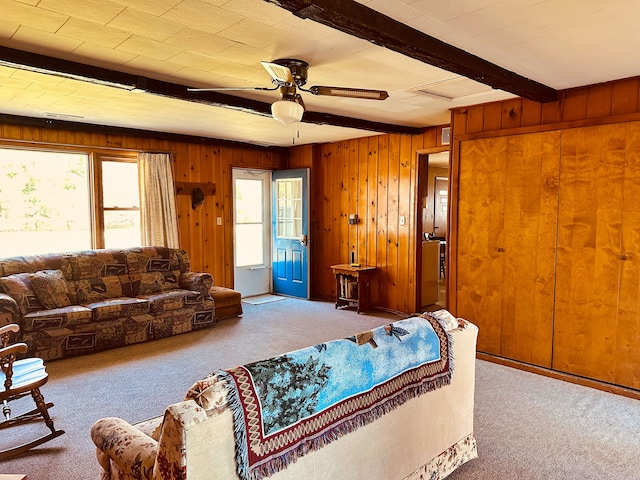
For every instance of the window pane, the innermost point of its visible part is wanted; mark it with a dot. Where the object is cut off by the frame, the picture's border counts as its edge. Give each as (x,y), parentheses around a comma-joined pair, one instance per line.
(122,228)
(120,185)
(289,222)
(249,249)
(248,201)
(44,202)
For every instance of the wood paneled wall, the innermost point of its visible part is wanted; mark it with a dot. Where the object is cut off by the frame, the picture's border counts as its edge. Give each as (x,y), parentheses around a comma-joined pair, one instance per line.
(210,246)
(616,101)
(375,178)
(601,104)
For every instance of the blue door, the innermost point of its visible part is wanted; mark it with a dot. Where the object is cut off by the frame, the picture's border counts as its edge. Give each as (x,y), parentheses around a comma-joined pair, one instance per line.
(290,232)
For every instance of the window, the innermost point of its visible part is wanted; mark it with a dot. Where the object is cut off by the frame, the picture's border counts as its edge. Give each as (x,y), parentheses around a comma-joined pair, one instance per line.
(249,222)
(120,201)
(289,221)
(56,201)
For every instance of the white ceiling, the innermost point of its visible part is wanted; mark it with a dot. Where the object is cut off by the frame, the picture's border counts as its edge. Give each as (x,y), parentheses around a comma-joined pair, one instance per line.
(220,43)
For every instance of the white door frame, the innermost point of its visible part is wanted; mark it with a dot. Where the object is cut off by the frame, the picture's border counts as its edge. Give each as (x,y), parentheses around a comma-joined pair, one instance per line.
(254,278)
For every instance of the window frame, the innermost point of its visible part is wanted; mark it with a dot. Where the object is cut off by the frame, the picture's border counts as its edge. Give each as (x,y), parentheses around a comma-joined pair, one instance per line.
(98,208)
(95,157)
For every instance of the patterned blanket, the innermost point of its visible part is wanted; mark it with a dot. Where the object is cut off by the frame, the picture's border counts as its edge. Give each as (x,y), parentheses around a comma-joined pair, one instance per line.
(289,405)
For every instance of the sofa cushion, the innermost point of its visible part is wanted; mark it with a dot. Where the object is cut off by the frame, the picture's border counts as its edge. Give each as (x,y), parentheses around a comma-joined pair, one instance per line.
(167,301)
(118,307)
(90,264)
(57,317)
(18,287)
(153,282)
(100,288)
(51,288)
(154,259)
(31,263)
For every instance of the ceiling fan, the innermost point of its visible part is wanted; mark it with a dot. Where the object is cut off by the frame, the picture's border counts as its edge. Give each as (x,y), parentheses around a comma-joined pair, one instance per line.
(289,75)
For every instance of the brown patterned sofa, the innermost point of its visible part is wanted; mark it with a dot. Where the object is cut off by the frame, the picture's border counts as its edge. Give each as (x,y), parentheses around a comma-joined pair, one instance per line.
(75,303)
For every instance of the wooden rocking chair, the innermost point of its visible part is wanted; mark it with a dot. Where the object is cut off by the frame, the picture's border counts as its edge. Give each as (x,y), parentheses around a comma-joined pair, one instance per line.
(19,378)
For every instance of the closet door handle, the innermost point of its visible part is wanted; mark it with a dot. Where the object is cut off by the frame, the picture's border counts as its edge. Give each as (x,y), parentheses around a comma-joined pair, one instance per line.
(500,249)
(622,257)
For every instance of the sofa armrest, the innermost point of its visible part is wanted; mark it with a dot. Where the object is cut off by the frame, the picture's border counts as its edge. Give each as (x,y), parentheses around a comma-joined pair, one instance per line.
(9,311)
(133,452)
(172,442)
(198,282)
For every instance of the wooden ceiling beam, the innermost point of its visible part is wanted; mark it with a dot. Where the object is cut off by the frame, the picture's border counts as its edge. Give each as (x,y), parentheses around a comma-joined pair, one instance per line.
(363,22)
(38,63)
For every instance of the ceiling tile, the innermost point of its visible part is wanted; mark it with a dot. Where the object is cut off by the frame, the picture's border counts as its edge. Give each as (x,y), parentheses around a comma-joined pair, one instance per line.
(196,61)
(486,19)
(93,54)
(7,29)
(252,32)
(148,48)
(203,16)
(395,9)
(264,12)
(154,7)
(39,41)
(145,25)
(198,41)
(80,29)
(98,11)
(153,67)
(562,11)
(17,12)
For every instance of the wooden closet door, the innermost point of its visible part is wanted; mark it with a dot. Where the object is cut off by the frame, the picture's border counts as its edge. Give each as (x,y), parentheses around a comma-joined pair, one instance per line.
(627,359)
(481,195)
(592,181)
(507,220)
(530,231)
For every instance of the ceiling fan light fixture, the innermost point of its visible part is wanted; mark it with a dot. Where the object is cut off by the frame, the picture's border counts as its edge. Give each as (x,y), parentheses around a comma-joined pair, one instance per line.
(287,111)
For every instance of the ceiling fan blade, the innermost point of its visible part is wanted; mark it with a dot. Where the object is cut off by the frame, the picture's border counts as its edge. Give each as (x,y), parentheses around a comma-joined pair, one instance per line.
(222,89)
(279,73)
(349,92)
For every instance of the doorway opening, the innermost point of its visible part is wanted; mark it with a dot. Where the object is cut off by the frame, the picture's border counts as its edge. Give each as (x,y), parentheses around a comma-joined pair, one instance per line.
(434,181)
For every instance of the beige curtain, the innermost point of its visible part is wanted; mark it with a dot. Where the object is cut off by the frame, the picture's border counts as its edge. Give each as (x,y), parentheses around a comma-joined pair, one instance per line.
(158,216)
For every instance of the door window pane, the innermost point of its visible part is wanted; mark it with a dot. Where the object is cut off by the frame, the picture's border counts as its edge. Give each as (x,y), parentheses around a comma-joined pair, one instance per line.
(249,249)
(249,228)
(289,211)
(248,201)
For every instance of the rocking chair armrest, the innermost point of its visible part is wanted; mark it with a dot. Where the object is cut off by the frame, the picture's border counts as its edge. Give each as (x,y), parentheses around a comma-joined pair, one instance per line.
(119,442)
(13,349)
(11,328)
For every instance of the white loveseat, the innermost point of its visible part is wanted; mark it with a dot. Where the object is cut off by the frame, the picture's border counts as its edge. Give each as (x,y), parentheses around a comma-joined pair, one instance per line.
(426,437)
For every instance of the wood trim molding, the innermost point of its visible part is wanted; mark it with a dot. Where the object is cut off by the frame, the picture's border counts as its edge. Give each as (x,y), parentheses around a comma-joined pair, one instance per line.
(588,122)
(566,377)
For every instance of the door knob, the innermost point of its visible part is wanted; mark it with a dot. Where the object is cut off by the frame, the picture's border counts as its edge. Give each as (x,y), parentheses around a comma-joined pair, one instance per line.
(500,249)
(304,240)
(622,257)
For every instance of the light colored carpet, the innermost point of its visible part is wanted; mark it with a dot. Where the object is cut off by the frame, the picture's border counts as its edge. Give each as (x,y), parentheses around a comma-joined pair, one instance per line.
(528,427)
(260,299)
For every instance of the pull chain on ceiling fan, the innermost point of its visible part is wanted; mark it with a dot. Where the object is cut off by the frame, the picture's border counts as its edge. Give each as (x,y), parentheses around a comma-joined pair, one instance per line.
(290,74)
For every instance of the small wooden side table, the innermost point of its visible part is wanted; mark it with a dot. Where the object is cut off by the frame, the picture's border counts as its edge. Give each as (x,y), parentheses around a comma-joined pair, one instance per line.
(353,286)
